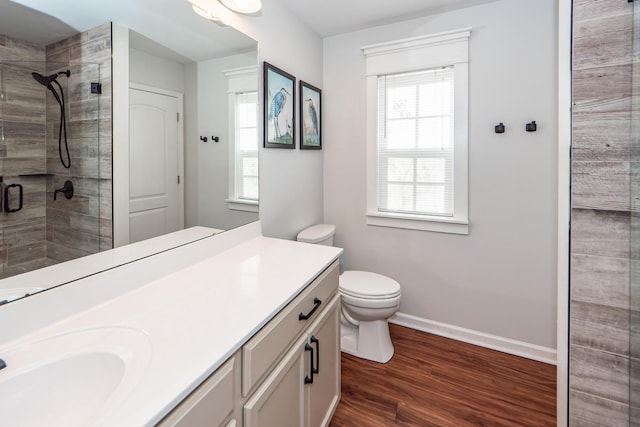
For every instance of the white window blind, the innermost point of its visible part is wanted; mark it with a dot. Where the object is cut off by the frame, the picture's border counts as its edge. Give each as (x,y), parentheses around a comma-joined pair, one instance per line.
(417,132)
(416,142)
(246,145)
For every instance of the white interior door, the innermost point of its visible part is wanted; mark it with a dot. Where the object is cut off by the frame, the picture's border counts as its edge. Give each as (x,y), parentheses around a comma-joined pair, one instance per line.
(155,205)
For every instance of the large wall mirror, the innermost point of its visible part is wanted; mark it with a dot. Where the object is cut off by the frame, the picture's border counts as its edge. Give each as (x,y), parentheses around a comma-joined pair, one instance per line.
(120,121)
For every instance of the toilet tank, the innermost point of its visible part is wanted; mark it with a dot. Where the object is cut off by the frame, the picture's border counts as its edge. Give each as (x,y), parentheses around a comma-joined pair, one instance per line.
(321,234)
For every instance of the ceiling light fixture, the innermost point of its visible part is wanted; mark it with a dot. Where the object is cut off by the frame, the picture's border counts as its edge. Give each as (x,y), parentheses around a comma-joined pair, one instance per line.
(243,6)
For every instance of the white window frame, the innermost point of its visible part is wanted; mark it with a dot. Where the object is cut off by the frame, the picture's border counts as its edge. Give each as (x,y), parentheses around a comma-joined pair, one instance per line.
(239,80)
(449,48)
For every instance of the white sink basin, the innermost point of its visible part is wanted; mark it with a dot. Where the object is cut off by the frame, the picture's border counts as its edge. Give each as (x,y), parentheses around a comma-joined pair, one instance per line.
(73,379)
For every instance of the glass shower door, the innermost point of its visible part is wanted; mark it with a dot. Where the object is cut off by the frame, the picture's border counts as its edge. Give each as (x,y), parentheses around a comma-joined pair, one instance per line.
(634,272)
(3,151)
(50,148)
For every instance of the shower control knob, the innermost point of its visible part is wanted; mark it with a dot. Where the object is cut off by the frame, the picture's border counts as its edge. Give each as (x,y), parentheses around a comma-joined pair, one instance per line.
(67,190)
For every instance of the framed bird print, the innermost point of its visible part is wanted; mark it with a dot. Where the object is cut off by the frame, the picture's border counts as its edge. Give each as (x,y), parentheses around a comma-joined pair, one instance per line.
(279,111)
(310,117)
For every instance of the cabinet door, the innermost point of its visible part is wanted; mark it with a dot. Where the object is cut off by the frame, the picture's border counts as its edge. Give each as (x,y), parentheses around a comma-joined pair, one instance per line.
(280,400)
(262,351)
(324,393)
(210,404)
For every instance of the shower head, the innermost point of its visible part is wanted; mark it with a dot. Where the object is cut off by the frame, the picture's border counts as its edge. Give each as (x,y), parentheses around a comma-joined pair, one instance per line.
(44,80)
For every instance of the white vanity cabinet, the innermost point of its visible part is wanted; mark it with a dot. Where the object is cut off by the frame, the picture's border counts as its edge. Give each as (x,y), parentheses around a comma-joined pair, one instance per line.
(287,374)
(280,401)
(212,403)
(304,388)
(324,392)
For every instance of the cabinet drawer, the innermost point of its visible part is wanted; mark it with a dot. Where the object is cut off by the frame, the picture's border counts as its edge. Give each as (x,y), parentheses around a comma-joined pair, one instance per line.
(210,404)
(261,352)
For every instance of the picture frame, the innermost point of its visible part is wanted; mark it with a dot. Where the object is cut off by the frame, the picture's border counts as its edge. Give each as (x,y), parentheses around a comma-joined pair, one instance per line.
(279,108)
(310,117)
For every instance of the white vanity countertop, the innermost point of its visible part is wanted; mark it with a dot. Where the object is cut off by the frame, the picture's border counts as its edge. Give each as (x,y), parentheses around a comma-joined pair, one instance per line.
(195,317)
(37,280)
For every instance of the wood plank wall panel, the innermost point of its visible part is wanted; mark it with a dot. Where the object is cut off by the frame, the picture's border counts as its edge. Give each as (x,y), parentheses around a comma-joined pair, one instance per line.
(82,225)
(22,150)
(599,363)
(47,231)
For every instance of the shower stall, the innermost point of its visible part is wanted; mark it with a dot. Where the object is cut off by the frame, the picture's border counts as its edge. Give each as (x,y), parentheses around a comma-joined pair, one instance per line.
(604,329)
(55,151)
(48,137)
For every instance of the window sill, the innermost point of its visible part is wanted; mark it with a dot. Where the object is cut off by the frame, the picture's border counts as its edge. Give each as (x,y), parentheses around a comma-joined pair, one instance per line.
(437,224)
(242,205)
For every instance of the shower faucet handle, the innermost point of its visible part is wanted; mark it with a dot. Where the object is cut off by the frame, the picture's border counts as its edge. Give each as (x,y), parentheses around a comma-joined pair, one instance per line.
(67,190)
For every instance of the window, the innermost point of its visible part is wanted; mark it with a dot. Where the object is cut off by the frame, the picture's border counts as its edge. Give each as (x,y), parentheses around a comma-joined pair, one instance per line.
(243,136)
(417,97)
(415,142)
(246,146)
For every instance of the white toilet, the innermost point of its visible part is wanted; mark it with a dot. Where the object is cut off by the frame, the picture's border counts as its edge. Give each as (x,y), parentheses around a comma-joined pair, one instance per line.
(368,301)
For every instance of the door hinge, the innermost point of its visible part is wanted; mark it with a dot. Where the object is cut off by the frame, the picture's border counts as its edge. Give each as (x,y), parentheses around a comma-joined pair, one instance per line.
(177,117)
(178,179)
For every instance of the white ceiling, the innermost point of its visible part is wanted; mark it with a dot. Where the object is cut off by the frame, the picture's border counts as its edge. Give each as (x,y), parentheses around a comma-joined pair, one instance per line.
(173,24)
(24,23)
(331,17)
(170,23)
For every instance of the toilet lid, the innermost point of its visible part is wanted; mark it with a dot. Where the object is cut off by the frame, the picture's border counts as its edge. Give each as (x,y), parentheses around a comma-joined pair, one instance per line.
(366,285)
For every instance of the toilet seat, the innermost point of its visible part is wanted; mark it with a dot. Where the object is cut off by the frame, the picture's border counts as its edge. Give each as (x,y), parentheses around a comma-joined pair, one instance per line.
(369,286)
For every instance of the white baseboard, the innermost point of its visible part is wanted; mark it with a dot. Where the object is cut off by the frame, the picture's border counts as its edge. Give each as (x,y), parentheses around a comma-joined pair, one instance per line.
(505,345)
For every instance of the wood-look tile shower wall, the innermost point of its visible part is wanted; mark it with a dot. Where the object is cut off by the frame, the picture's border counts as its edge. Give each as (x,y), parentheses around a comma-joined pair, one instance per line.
(22,151)
(47,231)
(600,215)
(82,225)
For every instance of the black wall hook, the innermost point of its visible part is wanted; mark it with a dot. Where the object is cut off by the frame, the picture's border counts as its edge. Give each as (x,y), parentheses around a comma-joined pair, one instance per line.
(203,139)
(499,128)
(531,127)
(215,138)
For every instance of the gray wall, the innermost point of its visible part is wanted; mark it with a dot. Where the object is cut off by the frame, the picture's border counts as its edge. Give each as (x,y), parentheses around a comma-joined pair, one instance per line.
(501,278)
(600,214)
(205,113)
(291,181)
(213,157)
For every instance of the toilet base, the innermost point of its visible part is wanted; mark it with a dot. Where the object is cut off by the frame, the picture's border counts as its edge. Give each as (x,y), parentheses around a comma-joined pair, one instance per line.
(369,340)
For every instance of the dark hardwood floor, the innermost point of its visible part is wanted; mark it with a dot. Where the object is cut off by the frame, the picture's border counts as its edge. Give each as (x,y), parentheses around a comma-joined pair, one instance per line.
(436,381)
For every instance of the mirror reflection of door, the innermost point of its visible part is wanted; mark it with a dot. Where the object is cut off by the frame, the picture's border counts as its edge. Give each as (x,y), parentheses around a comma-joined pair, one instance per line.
(155,187)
